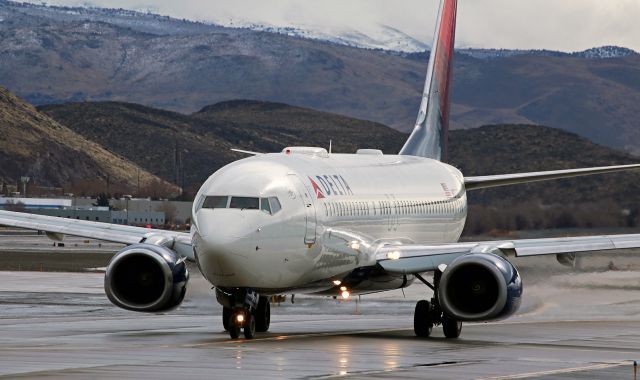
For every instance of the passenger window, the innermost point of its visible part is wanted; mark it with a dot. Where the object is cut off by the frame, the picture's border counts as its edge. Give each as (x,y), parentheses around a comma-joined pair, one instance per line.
(245,203)
(215,202)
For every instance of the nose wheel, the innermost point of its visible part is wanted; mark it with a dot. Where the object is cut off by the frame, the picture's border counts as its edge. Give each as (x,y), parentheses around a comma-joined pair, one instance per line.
(247,319)
(244,321)
(263,315)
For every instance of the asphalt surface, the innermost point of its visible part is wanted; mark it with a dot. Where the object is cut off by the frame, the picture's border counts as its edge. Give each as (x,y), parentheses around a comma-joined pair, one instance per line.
(573,324)
(22,250)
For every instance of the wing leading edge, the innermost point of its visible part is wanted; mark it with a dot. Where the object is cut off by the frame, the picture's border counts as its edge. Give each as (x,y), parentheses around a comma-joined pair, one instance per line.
(483,182)
(415,258)
(179,241)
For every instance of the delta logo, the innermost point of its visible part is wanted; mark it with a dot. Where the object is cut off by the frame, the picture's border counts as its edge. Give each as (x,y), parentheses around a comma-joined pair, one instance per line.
(330,185)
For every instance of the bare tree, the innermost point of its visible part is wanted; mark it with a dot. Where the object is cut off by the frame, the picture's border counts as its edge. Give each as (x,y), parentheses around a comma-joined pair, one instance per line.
(170,211)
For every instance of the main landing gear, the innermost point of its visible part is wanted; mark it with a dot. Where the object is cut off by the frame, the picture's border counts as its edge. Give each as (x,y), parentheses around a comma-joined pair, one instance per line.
(429,314)
(243,310)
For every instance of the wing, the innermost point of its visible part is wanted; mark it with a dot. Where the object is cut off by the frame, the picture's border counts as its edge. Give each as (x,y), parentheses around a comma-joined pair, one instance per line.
(247,152)
(483,182)
(415,258)
(58,227)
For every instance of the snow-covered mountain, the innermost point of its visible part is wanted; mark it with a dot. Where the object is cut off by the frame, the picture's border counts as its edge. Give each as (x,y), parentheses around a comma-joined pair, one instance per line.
(380,37)
(603,52)
(383,37)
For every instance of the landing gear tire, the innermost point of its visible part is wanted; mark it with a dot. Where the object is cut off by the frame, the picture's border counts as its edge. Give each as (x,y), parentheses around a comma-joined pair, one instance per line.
(226,317)
(232,328)
(451,327)
(250,327)
(422,323)
(263,315)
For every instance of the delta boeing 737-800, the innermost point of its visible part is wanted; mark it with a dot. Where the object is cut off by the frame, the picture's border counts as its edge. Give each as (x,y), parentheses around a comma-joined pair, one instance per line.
(308,221)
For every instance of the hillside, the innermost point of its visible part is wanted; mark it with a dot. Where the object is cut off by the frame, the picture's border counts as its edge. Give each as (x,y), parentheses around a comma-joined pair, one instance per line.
(149,136)
(595,98)
(53,55)
(32,144)
(504,149)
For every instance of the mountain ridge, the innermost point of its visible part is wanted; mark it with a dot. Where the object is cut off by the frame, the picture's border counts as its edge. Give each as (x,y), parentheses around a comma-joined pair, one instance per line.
(387,38)
(268,127)
(49,56)
(34,145)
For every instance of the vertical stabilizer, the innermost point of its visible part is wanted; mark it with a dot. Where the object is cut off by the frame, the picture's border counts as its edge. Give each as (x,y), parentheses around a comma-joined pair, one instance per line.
(429,137)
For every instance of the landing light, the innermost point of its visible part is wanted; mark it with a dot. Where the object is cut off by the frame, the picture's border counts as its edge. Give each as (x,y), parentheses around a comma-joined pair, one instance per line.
(394,255)
(355,245)
(343,288)
(346,294)
(240,318)
(337,282)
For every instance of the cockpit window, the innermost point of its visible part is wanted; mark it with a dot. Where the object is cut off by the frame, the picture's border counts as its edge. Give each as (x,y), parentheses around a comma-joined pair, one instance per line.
(245,203)
(269,205)
(215,202)
(274,205)
(264,205)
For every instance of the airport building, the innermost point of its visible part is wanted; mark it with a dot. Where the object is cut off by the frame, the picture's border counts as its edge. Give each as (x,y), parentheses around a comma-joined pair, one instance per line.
(140,212)
(104,215)
(35,203)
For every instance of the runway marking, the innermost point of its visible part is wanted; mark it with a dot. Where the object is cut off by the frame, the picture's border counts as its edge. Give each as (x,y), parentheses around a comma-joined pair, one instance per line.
(559,371)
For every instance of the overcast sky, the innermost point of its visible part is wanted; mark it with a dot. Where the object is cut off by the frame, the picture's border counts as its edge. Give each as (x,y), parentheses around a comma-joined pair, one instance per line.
(567,25)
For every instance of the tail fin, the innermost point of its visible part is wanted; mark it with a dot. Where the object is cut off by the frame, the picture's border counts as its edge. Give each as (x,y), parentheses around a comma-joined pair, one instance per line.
(429,137)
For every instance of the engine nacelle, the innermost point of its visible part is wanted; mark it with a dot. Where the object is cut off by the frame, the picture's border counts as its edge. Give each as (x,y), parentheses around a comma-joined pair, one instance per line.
(480,287)
(146,278)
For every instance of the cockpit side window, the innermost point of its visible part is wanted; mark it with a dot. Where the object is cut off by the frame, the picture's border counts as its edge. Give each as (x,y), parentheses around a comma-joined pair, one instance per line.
(245,203)
(212,202)
(264,205)
(275,205)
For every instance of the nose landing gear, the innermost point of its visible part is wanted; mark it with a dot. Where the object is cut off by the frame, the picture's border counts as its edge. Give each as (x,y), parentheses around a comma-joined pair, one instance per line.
(243,310)
(428,314)
(244,320)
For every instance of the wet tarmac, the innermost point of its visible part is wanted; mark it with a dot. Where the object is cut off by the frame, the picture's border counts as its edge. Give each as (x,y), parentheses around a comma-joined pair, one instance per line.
(572,325)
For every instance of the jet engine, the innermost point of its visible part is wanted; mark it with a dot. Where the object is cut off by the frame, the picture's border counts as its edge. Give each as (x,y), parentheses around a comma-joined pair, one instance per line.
(480,287)
(146,278)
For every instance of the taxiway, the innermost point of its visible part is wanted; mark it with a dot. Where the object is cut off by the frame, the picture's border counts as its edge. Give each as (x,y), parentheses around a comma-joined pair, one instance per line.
(60,325)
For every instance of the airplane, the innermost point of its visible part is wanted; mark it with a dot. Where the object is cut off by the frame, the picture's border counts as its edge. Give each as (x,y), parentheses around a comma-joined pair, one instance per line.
(308,221)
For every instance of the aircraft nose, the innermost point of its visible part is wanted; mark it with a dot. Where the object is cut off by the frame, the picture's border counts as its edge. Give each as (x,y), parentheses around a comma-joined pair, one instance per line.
(226,248)
(219,225)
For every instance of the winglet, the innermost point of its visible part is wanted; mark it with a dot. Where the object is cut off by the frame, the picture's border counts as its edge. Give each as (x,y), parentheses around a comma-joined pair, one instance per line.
(429,137)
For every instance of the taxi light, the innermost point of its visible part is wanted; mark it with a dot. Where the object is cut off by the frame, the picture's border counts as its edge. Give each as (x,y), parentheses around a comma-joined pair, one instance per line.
(343,288)
(337,282)
(346,294)
(355,245)
(393,255)
(240,318)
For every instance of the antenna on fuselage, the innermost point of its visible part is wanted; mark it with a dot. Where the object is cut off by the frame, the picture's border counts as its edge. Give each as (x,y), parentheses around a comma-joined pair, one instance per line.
(330,143)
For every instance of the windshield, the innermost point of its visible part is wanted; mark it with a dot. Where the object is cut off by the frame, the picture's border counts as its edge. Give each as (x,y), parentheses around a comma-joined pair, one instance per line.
(215,202)
(245,203)
(269,205)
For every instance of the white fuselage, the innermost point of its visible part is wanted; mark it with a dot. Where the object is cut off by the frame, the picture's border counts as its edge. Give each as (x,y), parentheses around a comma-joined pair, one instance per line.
(335,210)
